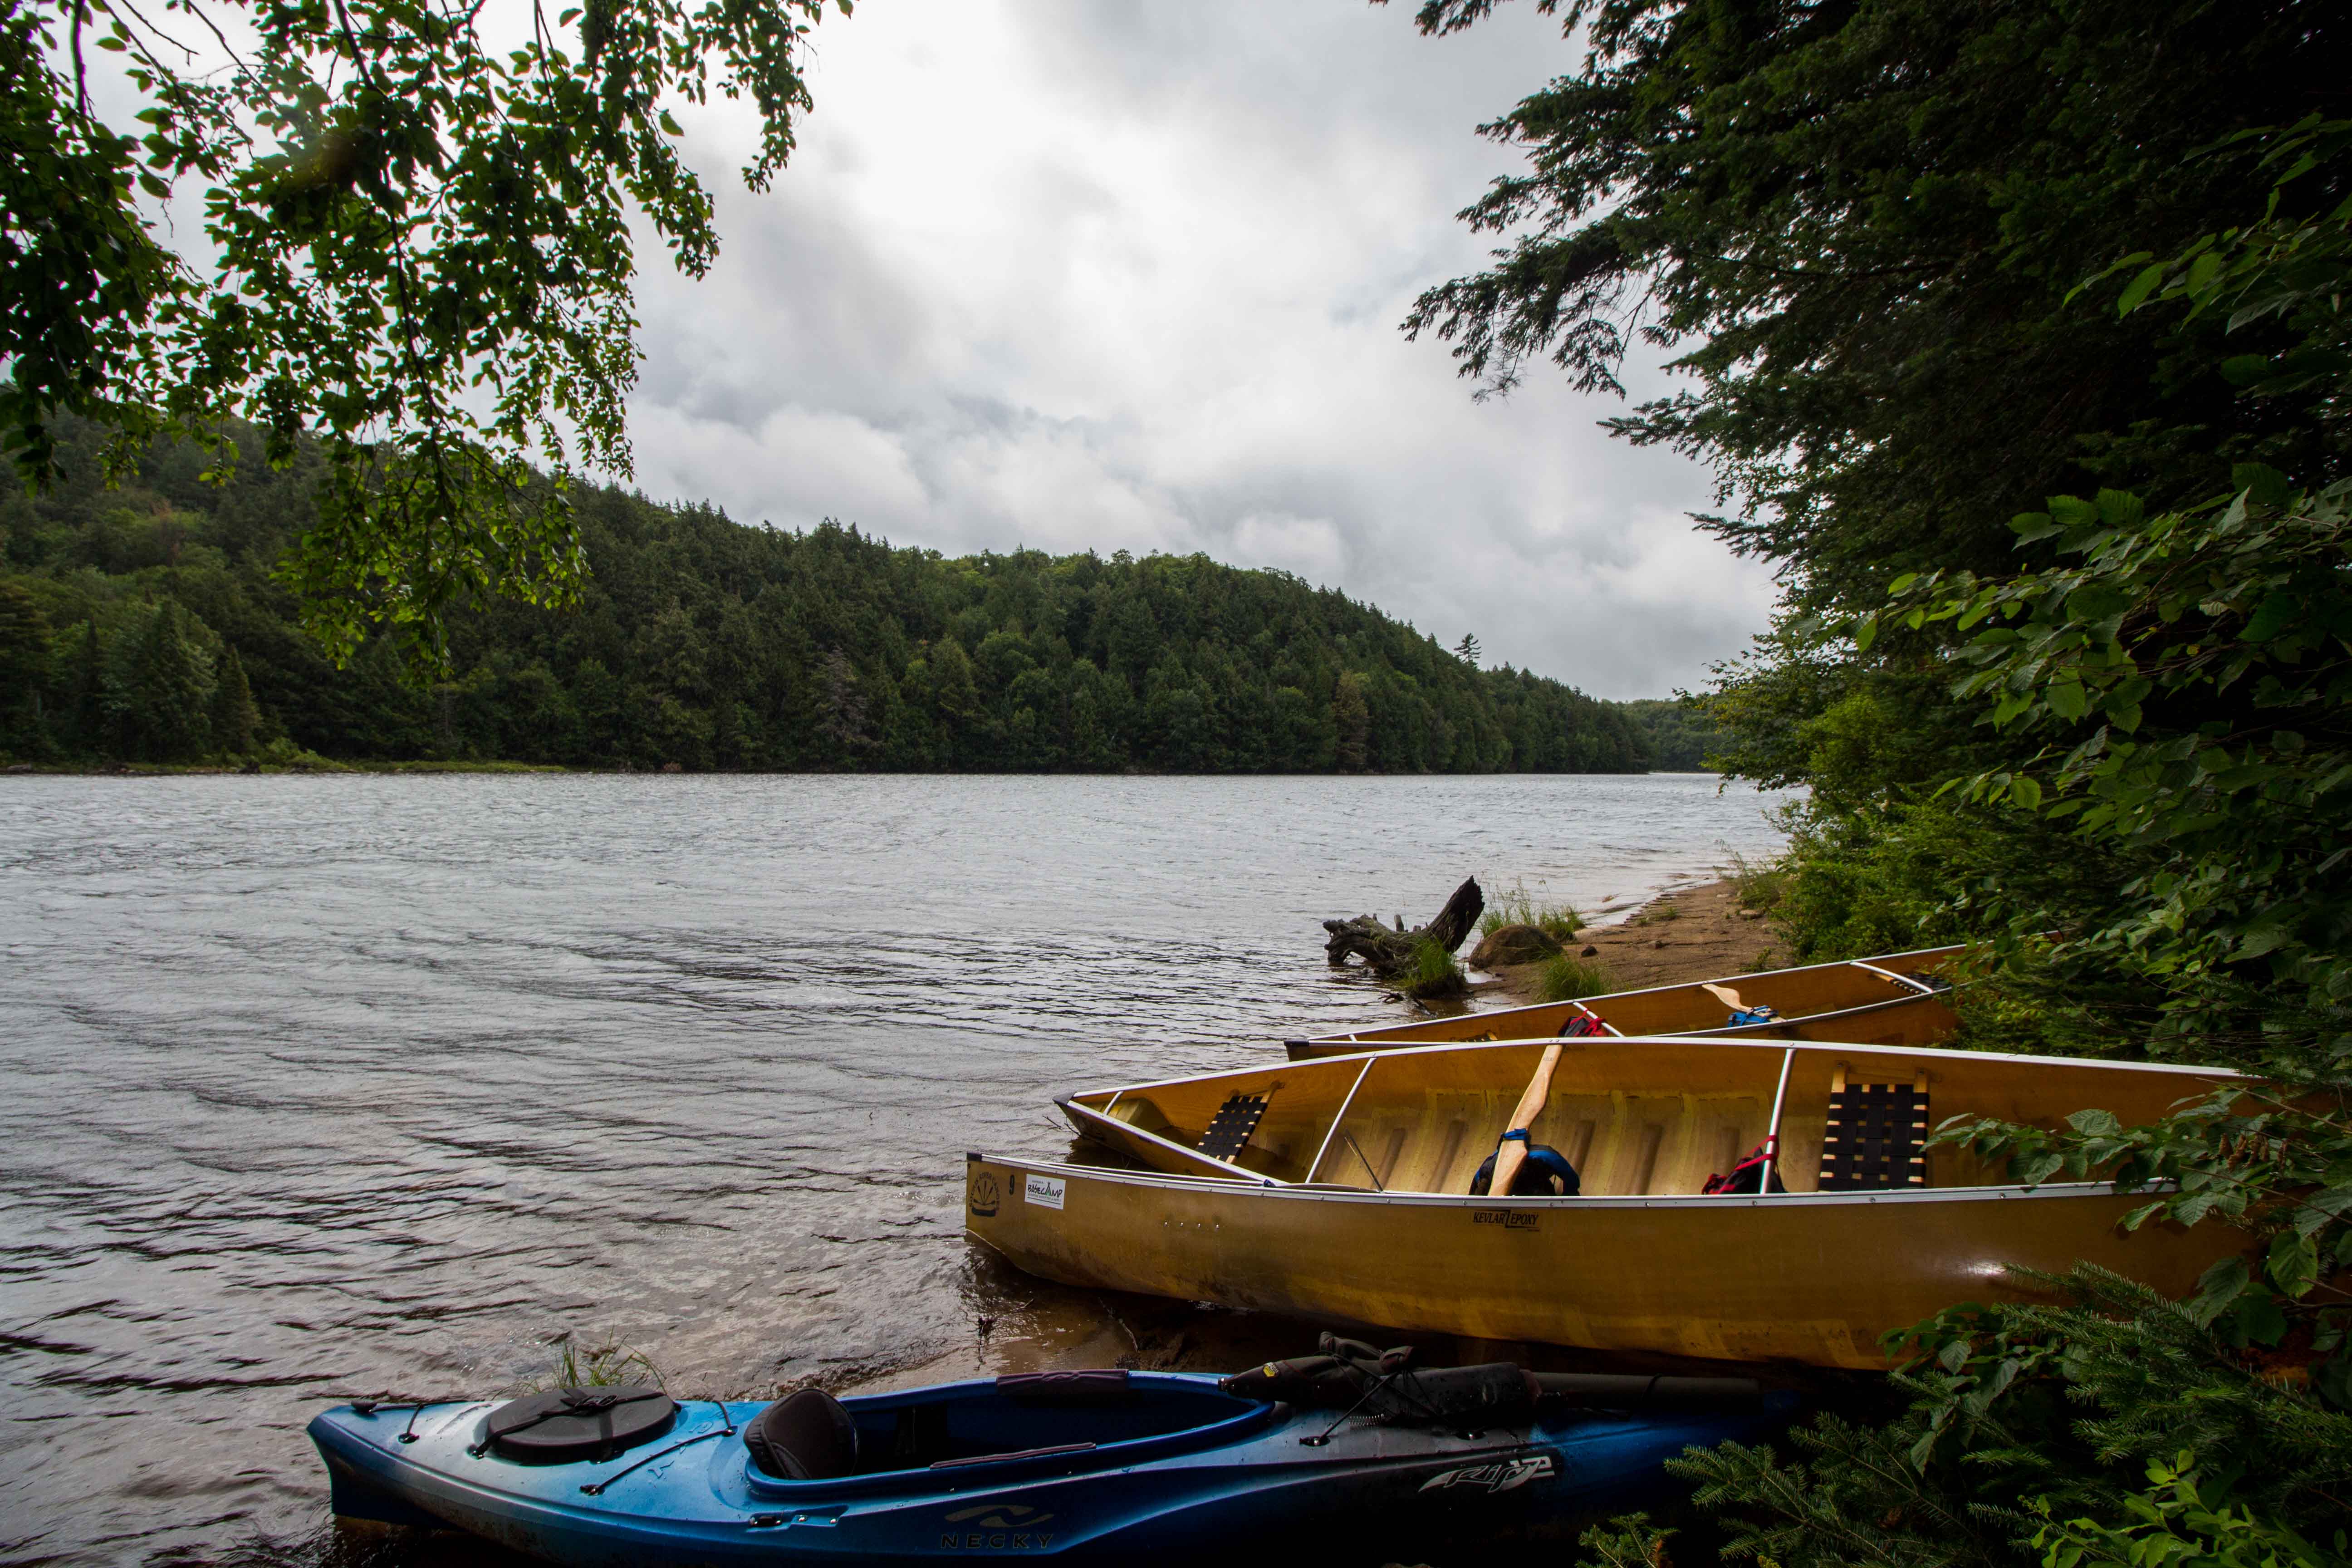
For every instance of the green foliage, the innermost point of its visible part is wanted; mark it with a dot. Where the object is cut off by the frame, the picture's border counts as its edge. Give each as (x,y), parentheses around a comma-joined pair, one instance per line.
(2181,1521)
(2274,1161)
(1628,1541)
(1680,733)
(1565,977)
(715,646)
(1518,907)
(2110,742)
(1432,971)
(1759,884)
(235,719)
(2181,696)
(420,251)
(2006,1416)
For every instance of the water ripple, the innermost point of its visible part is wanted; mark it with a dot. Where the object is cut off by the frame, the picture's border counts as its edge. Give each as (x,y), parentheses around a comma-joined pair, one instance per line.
(375,1083)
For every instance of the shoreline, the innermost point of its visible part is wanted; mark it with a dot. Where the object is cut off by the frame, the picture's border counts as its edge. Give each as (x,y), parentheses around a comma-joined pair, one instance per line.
(318,765)
(1704,937)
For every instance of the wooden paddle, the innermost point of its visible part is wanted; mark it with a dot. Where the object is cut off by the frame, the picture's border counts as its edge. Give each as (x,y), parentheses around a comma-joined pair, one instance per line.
(1512,1153)
(1725,994)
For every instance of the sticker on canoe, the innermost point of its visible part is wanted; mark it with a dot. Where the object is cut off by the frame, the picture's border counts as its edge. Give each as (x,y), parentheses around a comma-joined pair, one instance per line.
(1046,1192)
(1509,1219)
(981,1196)
(1505,1477)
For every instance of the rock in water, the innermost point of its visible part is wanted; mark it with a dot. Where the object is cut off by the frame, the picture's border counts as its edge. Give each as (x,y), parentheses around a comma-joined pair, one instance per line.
(1514,944)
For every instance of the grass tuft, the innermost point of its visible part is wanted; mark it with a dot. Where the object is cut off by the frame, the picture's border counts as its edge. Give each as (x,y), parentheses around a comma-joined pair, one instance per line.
(1761,884)
(1432,971)
(1520,907)
(1565,977)
(602,1367)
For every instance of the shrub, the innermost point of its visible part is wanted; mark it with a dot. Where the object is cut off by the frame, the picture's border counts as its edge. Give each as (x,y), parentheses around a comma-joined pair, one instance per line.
(1567,977)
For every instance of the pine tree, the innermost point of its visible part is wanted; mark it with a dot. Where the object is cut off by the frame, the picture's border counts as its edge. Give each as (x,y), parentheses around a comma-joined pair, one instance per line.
(171,688)
(89,710)
(1352,717)
(235,717)
(1467,649)
(24,668)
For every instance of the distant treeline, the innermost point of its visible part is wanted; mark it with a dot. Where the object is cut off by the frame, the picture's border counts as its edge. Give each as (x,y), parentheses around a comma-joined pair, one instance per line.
(140,623)
(1678,734)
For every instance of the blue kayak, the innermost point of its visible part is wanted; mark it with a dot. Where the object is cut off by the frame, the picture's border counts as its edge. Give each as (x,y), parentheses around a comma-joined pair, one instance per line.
(1075,1465)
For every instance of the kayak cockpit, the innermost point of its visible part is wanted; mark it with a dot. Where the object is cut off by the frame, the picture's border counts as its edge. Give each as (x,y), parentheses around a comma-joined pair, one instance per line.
(809,1440)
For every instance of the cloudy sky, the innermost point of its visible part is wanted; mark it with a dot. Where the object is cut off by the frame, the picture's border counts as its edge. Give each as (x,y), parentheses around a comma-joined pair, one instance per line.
(1089,274)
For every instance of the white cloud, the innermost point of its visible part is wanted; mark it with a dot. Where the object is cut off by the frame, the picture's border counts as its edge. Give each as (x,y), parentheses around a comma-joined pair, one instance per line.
(1096,275)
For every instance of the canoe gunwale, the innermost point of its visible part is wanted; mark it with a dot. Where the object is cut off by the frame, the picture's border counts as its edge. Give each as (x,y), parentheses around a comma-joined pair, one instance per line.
(1911,989)
(1332,1192)
(1328,1047)
(1941,1053)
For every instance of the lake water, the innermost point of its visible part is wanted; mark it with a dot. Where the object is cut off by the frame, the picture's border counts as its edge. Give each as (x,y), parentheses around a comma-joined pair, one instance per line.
(328,1085)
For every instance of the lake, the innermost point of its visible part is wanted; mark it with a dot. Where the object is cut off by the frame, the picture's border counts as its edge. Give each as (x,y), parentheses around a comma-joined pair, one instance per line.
(327,1085)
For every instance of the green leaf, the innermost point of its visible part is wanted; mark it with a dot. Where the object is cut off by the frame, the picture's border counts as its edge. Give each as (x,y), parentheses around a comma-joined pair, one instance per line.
(2293,1264)
(2333,1380)
(2261,483)
(2025,792)
(2277,610)
(2039,1168)
(2029,526)
(671,125)
(2217,1288)
(2323,1209)
(2138,290)
(2068,700)
(2258,1318)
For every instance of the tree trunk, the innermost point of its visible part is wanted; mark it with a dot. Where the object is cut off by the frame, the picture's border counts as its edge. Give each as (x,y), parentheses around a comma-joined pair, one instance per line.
(1386,949)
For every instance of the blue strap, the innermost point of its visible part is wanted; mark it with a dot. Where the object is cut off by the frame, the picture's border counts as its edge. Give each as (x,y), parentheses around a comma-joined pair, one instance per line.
(1519,1132)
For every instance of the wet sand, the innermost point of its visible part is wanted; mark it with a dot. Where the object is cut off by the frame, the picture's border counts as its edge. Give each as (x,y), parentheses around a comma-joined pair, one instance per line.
(1693,932)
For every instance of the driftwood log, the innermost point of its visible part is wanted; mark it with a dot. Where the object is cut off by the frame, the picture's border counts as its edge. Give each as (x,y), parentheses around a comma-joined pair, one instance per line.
(1386,949)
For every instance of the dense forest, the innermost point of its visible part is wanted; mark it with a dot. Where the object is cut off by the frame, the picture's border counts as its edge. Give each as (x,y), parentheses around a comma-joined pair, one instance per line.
(143,623)
(1679,732)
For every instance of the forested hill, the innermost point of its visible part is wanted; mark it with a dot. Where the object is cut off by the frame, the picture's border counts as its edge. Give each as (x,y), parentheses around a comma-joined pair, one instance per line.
(134,621)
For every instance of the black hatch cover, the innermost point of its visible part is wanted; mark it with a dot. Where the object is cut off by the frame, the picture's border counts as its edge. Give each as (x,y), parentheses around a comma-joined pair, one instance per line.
(569,1424)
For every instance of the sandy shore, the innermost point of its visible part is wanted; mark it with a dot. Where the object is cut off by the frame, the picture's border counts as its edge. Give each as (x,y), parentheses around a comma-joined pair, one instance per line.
(1684,933)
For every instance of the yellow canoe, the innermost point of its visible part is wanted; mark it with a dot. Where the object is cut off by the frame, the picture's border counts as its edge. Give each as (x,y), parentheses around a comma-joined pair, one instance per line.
(1894,999)
(1347,1201)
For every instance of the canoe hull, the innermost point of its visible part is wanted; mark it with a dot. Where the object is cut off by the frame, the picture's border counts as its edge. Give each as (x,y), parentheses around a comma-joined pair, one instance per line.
(701,1506)
(1805,1277)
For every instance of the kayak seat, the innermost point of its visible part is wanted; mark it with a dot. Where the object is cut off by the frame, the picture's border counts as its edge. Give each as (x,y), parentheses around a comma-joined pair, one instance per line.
(804,1436)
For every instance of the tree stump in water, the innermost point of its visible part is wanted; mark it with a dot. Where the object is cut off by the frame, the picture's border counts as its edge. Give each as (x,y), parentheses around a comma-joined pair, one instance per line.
(1386,949)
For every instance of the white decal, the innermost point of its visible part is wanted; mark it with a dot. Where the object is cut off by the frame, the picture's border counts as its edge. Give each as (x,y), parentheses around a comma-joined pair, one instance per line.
(1497,1478)
(1046,1192)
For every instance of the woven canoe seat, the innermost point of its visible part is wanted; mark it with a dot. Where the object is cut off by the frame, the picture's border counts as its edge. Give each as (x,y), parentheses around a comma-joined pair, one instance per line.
(1232,1126)
(1877,1137)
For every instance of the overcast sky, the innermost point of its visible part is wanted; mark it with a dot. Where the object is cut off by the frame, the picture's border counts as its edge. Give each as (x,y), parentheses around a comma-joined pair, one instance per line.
(1091,274)
(1126,275)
